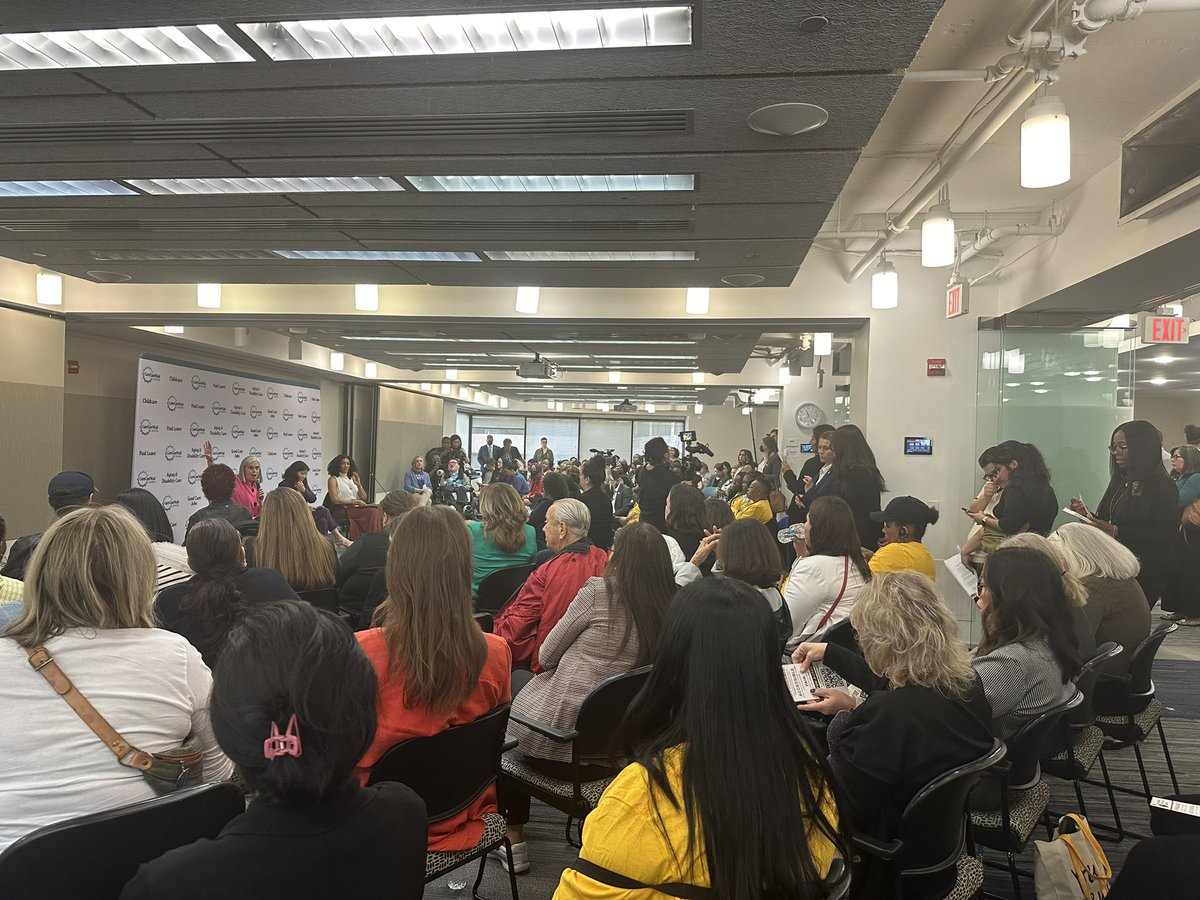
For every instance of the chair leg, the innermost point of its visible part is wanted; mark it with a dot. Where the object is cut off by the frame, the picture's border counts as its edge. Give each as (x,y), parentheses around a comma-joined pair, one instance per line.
(1012,870)
(568,832)
(1079,797)
(1162,736)
(1137,751)
(479,878)
(512,874)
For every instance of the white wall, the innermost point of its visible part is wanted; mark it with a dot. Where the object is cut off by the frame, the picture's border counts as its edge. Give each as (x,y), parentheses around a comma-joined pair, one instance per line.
(727,431)
(1169,415)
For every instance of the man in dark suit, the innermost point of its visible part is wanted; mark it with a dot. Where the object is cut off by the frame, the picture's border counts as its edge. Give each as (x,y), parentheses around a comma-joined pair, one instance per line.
(486,454)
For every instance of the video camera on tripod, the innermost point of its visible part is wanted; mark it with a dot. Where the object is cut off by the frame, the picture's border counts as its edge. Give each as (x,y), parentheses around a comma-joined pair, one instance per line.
(692,447)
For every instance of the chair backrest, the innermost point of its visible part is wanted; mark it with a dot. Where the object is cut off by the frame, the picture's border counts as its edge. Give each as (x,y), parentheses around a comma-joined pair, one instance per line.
(933,825)
(841,633)
(496,589)
(1083,715)
(602,711)
(486,622)
(94,856)
(1141,663)
(324,598)
(450,769)
(1039,737)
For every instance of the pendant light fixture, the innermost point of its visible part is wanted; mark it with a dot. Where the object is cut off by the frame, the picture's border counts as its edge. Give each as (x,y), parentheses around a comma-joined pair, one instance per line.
(885,286)
(938,246)
(1046,144)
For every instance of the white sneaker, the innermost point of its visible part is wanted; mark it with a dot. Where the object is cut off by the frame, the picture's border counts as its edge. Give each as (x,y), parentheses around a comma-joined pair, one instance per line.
(520,856)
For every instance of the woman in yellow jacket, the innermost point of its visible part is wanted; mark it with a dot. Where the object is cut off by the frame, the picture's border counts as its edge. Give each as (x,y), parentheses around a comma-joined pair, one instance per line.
(726,778)
(756,504)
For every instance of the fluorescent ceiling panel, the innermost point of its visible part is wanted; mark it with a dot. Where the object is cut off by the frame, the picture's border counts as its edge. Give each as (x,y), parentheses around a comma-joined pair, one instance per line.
(510,32)
(591,255)
(384,255)
(522,341)
(551,183)
(61,188)
(290,185)
(164,45)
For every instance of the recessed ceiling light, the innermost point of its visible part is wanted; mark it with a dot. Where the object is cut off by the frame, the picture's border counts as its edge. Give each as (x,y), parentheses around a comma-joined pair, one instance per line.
(697,378)
(591,255)
(579,342)
(208,296)
(48,287)
(173,329)
(381,255)
(1164,360)
(103,47)
(1042,391)
(1158,381)
(581,29)
(1012,384)
(746,280)
(1072,374)
(551,183)
(283,185)
(371,370)
(1096,378)
(787,119)
(62,188)
(337,361)
(1037,383)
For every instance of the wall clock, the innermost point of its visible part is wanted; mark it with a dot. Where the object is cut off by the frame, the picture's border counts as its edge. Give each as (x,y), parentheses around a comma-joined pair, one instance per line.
(809,416)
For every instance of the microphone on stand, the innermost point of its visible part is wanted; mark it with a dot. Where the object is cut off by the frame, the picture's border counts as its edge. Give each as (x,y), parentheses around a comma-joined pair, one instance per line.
(375,483)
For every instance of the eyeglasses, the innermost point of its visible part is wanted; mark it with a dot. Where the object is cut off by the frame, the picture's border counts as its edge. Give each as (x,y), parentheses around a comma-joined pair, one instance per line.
(1118,448)
(990,476)
(1176,456)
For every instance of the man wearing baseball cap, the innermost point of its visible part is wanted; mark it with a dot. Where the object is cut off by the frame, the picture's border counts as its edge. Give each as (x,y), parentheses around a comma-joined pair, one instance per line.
(904,523)
(67,491)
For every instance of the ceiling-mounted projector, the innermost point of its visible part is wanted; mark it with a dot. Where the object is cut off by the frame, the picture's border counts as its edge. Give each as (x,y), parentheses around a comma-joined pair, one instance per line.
(536,368)
(625,406)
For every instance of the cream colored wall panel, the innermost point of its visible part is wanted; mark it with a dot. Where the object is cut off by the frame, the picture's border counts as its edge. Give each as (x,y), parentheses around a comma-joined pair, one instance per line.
(31,440)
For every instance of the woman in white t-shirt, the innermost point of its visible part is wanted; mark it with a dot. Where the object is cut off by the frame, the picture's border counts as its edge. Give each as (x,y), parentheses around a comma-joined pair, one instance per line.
(828,573)
(89,594)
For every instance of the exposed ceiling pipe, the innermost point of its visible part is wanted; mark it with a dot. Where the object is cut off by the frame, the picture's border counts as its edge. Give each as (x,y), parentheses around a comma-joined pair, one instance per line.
(1052,229)
(1013,96)
(947,75)
(1024,25)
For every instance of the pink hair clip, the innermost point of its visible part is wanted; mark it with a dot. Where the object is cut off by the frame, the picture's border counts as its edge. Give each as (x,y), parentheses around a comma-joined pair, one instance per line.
(286,744)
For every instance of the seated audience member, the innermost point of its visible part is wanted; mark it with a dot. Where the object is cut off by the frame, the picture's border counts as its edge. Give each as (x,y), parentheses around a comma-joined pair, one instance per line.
(289,543)
(687,520)
(1116,608)
(717,514)
(366,556)
(295,476)
(747,551)
(1076,593)
(204,608)
(599,504)
(829,571)
(68,491)
(985,502)
(904,523)
(455,485)
(346,492)
(926,713)
(295,733)
(417,482)
(690,810)
(622,494)
(532,614)
(510,454)
(554,487)
(11,591)
(216,483)
(500,538)
(434,667)
(247,484)
(170,558)
(89,595)
(612,626)
(756,504)
(536,480)
(1026,657)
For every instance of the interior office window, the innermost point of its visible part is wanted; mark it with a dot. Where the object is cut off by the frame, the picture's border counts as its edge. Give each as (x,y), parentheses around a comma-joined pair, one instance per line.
(562,435)
(607,434)
(644,429)
(499,427)
(462,425)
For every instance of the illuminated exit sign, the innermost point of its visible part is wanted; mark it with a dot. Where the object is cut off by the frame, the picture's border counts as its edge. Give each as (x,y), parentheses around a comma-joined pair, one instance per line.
(1166,329)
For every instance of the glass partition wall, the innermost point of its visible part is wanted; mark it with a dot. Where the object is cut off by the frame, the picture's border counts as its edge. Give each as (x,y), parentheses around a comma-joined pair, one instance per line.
(569,436)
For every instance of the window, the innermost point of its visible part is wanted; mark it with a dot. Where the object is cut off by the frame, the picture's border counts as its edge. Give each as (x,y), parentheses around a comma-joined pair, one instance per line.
(644,429)
(462,427)
(607,434)
(562,435)
(500,427)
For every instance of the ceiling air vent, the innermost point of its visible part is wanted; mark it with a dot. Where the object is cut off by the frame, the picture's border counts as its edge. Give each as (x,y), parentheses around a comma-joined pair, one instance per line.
(1160,159)
(496,125)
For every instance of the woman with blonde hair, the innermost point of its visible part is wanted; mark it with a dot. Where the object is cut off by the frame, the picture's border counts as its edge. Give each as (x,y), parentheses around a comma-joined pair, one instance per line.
(436,669)
(931,718)
(1107,570)
(289,543)
(89,598)
(502,536)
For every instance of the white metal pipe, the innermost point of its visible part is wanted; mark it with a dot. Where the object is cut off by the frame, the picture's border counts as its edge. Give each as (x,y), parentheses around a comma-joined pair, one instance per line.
(1172,6)
(1016,92)
(1020,31)
(1006,231)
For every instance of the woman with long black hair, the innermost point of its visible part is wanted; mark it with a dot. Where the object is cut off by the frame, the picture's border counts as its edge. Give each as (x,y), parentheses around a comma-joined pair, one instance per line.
(1027,501)
(726,790)
(1141,506)
(858,481)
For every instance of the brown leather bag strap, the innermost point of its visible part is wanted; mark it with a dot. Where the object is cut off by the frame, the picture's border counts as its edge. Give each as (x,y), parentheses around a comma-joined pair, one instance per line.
(126,753)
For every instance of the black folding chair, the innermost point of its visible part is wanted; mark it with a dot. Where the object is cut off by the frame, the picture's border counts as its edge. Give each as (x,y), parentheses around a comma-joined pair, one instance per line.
(450,771)
(500,586)
(932,836)
(94,856)
(1130,709)
(599,715)
(1008,828)
(324,598)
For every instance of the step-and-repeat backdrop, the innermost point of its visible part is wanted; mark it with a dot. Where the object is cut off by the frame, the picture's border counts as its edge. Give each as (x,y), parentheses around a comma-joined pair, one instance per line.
(181,405)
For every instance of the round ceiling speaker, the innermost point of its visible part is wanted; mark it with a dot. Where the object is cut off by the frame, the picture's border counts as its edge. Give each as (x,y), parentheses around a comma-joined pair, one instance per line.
(746,280)
(787,119)
(813,24)
(105,277)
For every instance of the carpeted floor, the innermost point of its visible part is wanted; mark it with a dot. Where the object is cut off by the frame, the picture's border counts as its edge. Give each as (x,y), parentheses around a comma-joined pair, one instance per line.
(1175,676)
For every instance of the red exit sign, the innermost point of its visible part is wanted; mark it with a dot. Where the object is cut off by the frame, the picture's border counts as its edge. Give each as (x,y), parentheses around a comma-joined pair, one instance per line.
(1166,330)
(956,300)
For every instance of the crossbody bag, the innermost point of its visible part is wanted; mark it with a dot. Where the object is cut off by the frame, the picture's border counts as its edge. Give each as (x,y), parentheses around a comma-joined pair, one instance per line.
(165,772)
(842,593)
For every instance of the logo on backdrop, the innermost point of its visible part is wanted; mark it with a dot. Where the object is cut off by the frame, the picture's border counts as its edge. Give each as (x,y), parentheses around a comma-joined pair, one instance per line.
(255,412)
(144,478)
(171,453)
(315,417)
(254,451)
(272,434)
(302,434)
(236,431)
(218,408)
(238,390)
(272,394)
(301,397)
(197,429)
(193,476)
(316,453)
(169,502)
(198,382)
(147,427)
(287,414)
(174,403)
(272,473)
(149,375)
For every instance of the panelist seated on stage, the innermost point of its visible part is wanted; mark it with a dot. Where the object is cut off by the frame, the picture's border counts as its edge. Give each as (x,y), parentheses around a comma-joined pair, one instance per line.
(346,492)
(418,483)
(247,484)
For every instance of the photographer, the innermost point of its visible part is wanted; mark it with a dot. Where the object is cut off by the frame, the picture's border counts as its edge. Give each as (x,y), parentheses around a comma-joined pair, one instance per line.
(655,480)
(599,504)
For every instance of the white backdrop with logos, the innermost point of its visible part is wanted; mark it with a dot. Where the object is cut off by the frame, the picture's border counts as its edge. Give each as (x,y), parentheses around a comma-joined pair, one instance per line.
(181,405)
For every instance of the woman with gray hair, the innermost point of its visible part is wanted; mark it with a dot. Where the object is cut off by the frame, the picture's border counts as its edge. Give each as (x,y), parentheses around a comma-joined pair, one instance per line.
(247,489)
(1116,606)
